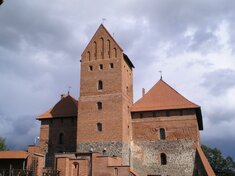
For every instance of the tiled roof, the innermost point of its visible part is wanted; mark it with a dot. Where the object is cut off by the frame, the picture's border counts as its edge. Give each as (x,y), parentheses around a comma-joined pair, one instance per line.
(205,162)
(66,107)
(162,97)
(13,154)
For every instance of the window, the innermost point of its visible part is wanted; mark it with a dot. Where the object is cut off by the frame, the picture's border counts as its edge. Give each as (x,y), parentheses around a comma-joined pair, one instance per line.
(88,56)
(154,114)
(101,66)
(109,48)
(90,67)
(162,133)
(167,113)
(115,171)
(99,105)
(99,126)
(61,138)
(102,47)
(163,159)
(111,65)
(95,50)
(100,85)
(115,52)
(141,115)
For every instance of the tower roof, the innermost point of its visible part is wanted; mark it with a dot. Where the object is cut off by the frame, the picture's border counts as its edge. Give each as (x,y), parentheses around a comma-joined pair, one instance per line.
(163,97)
(66,107)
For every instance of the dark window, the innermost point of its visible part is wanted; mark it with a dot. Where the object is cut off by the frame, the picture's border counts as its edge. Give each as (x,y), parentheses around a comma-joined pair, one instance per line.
(95,50)
(99,105)
(111,65)
(109,48)
(181,112)
(162,133)
(100,85)
(163,159)
(154,114)
(141,115)
(88,56)
(101,66)
(115,52)
(61,138)
(99,126)
(167,113)
(90,68)
(102,47)
(115,171)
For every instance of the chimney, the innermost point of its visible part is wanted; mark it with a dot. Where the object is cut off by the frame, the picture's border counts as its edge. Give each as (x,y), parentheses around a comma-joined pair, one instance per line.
(143,92)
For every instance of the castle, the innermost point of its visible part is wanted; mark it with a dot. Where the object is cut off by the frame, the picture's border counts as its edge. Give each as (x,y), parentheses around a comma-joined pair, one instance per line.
(104,134)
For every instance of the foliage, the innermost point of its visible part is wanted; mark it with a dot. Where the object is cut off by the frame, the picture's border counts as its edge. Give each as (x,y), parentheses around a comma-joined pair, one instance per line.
(222,166)
(3,145)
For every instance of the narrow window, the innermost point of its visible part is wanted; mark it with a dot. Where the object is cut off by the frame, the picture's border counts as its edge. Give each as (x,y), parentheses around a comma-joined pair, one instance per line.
(162,133)
(154,114)
(99,105)
(61,138)
(100,85)
(163,159)
(90,68)
(181,112)
(101,66)
(102,47)
(109,48)
(167,113)
(95,50)
(115,52)
(115,171)
(88,56)
(111,65)
(141,115)
(99,126)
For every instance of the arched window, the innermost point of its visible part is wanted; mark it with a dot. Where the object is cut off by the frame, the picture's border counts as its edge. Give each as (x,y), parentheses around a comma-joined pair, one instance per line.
(100,85)
(88,56)
(99,105)
(109,48)
(115,52)
(162,133)
(163,159)
(61,138)
(99,126)
(102,47)
(95,50)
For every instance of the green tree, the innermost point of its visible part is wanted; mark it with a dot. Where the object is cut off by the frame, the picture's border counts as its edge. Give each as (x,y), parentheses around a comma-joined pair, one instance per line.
(222,166)
(3,145)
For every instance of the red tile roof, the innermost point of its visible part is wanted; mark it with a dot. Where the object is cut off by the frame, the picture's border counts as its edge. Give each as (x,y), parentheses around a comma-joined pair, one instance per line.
(162,97)
(205,162)
(14,154)
(66,107)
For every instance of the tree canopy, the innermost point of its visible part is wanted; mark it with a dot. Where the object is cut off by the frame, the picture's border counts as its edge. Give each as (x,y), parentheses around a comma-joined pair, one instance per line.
(222,166)
(3,145)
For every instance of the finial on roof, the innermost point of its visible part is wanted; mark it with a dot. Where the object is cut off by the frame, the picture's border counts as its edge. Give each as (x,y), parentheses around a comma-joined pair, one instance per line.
(160,74)
(103,20)
(69,89)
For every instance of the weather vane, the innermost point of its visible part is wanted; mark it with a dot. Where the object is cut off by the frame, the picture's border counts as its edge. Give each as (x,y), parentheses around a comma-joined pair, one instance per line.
(69,89)
(103,20)
(160,74)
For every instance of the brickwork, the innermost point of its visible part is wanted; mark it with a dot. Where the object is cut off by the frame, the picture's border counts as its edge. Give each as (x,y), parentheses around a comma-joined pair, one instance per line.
(103,61)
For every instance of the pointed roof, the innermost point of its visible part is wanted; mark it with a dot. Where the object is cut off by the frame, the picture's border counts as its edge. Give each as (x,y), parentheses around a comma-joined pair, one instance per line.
(66,107)
(100,29)
(163,97)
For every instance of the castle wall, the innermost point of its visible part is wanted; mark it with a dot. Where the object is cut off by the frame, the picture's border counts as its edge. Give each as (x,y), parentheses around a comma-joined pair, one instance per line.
(179,145)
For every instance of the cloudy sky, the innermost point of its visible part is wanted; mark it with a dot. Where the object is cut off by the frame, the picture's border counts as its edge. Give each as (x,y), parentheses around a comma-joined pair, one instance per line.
(191,41)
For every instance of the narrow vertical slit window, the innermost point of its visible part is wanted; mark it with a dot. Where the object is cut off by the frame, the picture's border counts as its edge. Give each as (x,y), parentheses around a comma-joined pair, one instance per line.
(109,48)
(101,66)
(90,68)
(100,85)
(163,159)
(99,105)
(111,65)
(61,138)
(115,52)
(95,50)
(88,56)
(102,47)
(99,126)
(162,133)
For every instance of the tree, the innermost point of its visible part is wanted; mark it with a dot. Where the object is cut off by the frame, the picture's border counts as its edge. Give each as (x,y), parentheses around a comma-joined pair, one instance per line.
(222,166)
(3,145)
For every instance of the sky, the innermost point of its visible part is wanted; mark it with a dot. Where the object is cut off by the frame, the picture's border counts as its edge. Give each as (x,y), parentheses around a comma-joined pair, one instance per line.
(191,41)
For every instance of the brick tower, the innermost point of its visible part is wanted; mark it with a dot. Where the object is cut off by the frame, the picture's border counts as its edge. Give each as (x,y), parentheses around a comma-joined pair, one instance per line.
(106,95)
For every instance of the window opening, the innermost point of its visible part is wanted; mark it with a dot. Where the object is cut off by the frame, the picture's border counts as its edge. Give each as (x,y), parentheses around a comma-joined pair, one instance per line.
(90,68)
(162,133)
(163,159)
(115,52)
(109,48)
(88,56)
(61,138)
(101,66)
(111,65)
(102,47)
(99,105)
(99,126)
(95,50)
(100,85)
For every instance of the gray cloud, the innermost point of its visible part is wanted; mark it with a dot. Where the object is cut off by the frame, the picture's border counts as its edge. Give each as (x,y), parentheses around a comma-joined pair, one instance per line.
(219,81)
